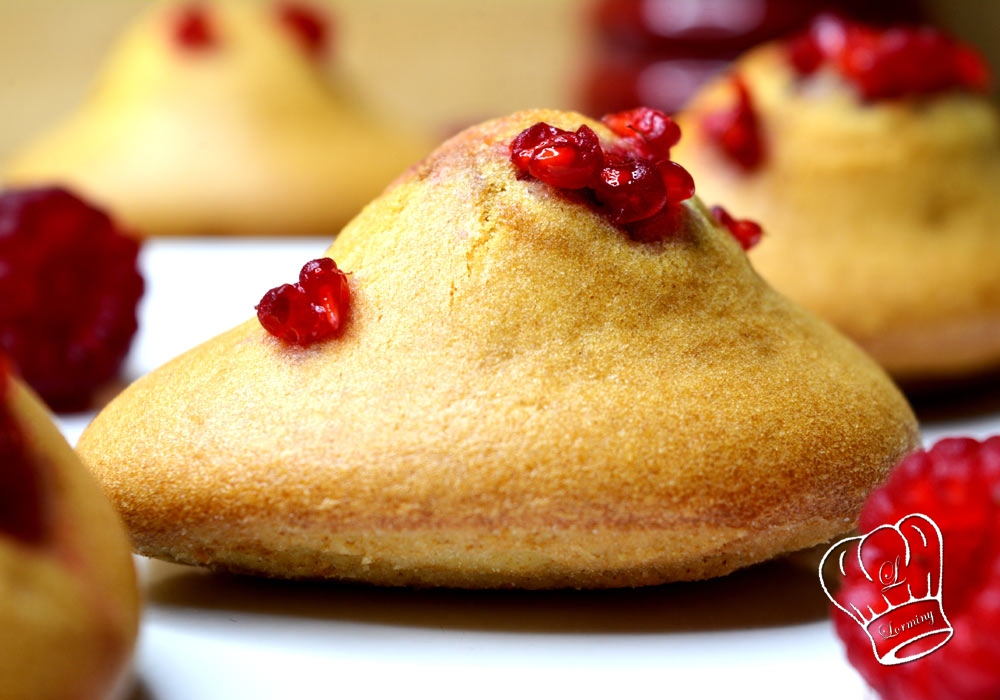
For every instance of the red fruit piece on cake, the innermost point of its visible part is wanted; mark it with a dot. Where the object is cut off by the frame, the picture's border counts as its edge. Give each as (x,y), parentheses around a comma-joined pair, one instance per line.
(194,29)
(889,63)
(307,24)
(311,310)
(736,129)
(631,180)
(747,232)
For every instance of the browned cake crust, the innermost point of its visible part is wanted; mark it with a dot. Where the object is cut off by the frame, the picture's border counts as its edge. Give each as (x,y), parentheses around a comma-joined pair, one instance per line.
(523,397)
(881,218)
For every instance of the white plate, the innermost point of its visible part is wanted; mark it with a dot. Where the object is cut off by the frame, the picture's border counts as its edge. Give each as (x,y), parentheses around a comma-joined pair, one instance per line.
(759,633)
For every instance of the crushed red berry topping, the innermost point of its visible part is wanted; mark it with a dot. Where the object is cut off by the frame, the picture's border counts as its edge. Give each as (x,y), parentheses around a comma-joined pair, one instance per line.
(651,132)
(561,158)
(193,29)
(312,310)
(21,501)
(70,288)
(630,189)
(632,182)
(747,232)
(309,25)
(736,129)
(957,485)
(889,63)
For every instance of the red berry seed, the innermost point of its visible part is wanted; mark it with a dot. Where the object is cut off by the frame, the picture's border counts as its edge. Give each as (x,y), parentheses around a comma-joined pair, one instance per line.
(747,232)
(310,311)
(957,485)
(70,288)
(193,29)
(889,63)
(308,25)
(22,515)
(736,129)
(629,183)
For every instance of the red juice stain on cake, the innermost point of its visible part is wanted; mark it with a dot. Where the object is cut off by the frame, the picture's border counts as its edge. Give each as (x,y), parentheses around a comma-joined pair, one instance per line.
(632,182)
(194,29)
(70,288)
(308,25)
(889,63)
(957,485)
(736,130)
(748,233)
(312,310)
(21,500)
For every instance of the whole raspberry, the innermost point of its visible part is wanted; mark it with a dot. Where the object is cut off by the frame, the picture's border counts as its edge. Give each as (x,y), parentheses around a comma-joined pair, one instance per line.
(69,288)
(957,485)
(310,311)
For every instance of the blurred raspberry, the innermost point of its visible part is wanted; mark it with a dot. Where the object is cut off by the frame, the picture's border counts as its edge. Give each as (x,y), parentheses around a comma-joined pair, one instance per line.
(69,288)
(957,485)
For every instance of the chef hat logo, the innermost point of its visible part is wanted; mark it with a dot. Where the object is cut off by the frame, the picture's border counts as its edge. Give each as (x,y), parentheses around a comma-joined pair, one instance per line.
(892,588)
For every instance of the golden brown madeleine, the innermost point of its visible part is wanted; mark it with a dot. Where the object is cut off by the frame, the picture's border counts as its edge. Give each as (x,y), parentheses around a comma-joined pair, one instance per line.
(880,214)
(522,396)
(212,118)
(69,604)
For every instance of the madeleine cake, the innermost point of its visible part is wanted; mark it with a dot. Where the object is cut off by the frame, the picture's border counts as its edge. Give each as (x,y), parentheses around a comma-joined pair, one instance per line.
(876,179)
(69,604)
(218,118)
(536,361)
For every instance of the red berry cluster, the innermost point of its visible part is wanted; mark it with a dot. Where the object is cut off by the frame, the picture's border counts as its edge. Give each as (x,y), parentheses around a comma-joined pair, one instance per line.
(308,25)
(193,29)
(310,311)
(889,63)
(634,183)
(957,485)
(69,289)
(21,513)
(736,129)
(748,233)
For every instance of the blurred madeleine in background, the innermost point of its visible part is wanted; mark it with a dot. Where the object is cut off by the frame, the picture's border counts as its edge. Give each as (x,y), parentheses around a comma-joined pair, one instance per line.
(443,64)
